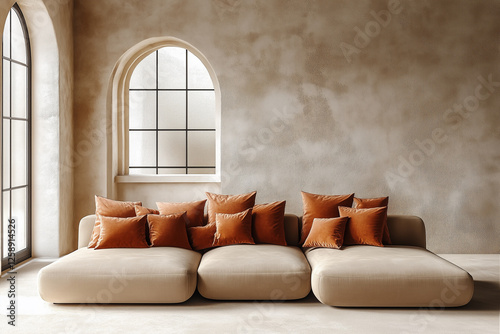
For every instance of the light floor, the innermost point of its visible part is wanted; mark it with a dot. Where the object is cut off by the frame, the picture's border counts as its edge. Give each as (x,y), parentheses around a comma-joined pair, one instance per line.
(198,315)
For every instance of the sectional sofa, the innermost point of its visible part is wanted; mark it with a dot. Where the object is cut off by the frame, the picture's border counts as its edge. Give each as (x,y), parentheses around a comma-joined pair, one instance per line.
(403,274)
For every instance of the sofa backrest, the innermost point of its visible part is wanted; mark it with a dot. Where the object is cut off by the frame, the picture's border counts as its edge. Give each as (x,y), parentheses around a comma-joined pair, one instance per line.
(404,230)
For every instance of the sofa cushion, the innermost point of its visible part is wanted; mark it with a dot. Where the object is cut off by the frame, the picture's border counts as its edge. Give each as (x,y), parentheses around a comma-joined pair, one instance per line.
(391,276)
(254,272)
(218,203)
(194,210)
(121,275)
(365,226)
(122,232)
(202,237)
(233,228)
(326,232)
(168,230)
(368,203)
(268,226)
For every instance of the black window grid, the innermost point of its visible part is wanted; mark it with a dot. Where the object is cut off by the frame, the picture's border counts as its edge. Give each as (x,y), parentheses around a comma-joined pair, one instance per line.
(157,130)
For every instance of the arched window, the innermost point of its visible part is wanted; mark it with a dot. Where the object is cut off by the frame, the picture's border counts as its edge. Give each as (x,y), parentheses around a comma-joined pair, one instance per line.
(16,145)
(171,114)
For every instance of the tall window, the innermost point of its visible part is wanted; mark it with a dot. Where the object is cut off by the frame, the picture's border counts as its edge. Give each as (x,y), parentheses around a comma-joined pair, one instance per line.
(16,127)
(171,115)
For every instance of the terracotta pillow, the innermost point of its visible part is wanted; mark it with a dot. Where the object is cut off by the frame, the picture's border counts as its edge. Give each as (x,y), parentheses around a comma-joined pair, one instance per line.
(122,232)
(202,237)
(321,206)
(228,204)
(168,231)
(326,232)
(140,211)
(365,226)
(233,228)
(110,208)
(194,210)
(268,223)
(368,203)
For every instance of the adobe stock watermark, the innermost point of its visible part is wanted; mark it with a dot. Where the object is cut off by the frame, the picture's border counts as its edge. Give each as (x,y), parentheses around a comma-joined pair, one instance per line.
(11,274)
(420,321)
(453,118)
(371,30)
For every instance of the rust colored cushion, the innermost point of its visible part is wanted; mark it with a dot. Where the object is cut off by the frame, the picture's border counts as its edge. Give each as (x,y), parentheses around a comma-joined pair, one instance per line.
(122,232)
(327,233)
(140,211)
(194,210)
(321,206)
(368,203)
(233,228)
(228,204)
(110,208)
(365,226)
(202,237)
(268,223)
(168,230)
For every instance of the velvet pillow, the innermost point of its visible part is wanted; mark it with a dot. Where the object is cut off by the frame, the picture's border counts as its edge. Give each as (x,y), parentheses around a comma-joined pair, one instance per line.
(228,204)
(110,208)
(194,210)
(202,237)
(326,232)
(140,211)
(321,206)
(122,232)
(368,203)
(168,230)
(233,228)
(268,223)
(365,226)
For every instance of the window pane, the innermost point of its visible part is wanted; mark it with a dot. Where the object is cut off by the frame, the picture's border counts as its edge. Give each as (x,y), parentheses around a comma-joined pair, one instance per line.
(6,154)
(142,110)
(19,205)
(19,153)
(171,68)
(19,90)
(6,37)
(198,76)
(142,148)
(18,40)
(201,171)
(6,88)
(141,171)
(144,75)
(201,148)
(172,148)
(172,110)
(5,219)
(201,112)
(172,171)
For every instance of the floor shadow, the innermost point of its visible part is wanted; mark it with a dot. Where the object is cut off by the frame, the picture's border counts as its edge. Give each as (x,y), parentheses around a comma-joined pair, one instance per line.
(486,297)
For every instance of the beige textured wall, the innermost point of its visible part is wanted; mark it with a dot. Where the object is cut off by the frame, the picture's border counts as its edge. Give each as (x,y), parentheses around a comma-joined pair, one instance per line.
(319,96)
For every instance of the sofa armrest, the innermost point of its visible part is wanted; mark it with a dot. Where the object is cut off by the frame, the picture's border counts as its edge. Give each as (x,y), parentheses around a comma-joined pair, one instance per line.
(406,230)
(85,230)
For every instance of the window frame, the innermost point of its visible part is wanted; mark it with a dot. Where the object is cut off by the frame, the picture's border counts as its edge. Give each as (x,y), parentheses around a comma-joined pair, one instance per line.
(25,253)
(117,120)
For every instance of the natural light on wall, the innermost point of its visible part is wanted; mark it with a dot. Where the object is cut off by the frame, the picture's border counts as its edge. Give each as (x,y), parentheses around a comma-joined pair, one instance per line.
(172,116)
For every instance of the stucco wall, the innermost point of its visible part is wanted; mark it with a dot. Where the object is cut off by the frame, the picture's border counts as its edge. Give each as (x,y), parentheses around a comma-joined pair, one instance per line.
(328,97)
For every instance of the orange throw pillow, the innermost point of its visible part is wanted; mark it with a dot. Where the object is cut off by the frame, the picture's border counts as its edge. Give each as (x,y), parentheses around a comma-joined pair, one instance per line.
(202,237)
(228,204)
(122,232)
(368,203)
(326,232)
(110,208)
(234,228)
(168,231)
(321,206)
(194,210)
(268,223)
(365,226)
(141,211)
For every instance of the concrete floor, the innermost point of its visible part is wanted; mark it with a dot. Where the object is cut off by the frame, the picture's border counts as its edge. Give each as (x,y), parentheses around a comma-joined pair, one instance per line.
(198,315)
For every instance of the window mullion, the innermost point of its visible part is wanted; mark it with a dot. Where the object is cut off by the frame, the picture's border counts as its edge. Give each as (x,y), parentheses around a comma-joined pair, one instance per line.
(157,125)
(187,108)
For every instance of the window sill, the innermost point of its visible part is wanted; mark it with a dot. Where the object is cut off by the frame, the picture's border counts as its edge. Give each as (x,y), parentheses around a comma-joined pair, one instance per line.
(171,178)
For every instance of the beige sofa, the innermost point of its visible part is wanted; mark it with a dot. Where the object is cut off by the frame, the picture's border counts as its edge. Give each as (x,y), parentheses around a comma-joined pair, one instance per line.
(404,274)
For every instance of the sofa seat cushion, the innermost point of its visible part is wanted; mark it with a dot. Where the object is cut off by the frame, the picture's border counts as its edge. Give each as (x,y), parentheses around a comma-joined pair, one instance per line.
(121,275)
(391,276)
(254,272)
